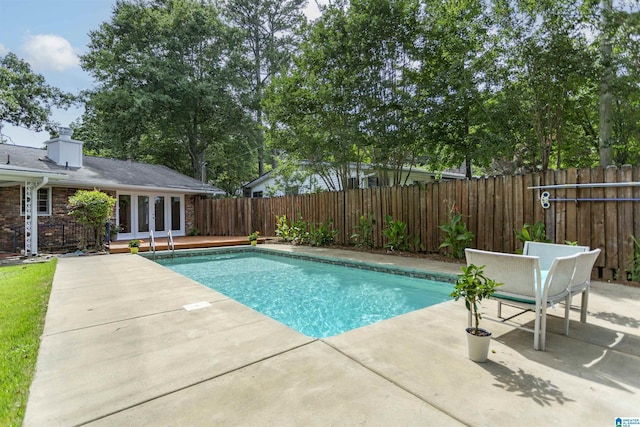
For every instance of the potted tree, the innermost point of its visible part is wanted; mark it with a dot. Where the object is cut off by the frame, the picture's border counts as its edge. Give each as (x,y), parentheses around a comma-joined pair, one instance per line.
(473,286)
(134,246)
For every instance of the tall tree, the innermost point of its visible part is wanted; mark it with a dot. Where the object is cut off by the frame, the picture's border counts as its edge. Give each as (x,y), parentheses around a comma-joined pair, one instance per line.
(349,97)
(166,82)
(456,63)
(25,98)
(606,83)
(268,29)
(546,65)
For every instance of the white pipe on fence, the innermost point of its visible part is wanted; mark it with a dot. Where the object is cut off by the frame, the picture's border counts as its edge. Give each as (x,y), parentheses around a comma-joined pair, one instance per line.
(589,185)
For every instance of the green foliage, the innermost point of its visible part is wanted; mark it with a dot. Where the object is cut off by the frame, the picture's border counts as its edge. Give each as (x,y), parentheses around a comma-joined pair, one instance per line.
(168,90)
(283,231)
(473,286)
(296,232)
(134,243)
(25,98)
(92,209)
(322,234)
(456,235)
(267,37)
(24,293)
(396,234)
(253,236)
(364,235)
(533,233)
(193,231)
(301,232)
(633,269)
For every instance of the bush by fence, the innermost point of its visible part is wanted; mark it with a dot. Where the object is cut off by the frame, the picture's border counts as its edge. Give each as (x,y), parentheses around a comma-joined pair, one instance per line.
(493,208)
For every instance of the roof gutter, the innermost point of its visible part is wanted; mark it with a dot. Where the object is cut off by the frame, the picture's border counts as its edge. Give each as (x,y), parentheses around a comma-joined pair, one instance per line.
(109,186)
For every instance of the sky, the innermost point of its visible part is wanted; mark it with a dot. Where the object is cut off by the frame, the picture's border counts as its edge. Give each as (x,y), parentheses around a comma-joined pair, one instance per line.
(50,35)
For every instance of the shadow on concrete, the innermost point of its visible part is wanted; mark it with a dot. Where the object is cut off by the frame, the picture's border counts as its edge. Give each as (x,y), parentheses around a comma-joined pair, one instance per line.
(617,319)
(541,391)
(592,352)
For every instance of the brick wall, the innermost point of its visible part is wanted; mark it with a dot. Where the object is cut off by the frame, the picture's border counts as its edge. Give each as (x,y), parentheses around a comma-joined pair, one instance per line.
(55,232)
(9,216)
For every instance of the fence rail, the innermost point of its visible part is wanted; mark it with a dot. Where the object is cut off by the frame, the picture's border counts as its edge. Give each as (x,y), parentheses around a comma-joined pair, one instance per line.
(493,208)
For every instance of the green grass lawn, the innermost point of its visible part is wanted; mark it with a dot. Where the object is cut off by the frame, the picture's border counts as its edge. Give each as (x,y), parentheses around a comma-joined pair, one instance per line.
(24,294)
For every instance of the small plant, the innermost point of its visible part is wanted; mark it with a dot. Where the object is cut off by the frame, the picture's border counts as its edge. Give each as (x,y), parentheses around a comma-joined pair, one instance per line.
(633,272)
(533,233)
(473,286)
(253,236)
(396,234)
(296,232)
(323,234)
(283,230)
(364,236)
(193,231)
(134,243)
(456,235)
(300,231)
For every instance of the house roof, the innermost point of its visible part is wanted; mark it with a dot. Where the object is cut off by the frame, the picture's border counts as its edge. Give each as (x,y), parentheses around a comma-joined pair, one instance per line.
(105,173)
(368,168)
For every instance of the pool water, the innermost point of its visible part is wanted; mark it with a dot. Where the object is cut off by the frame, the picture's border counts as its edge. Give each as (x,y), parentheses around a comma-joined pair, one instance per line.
(316,299)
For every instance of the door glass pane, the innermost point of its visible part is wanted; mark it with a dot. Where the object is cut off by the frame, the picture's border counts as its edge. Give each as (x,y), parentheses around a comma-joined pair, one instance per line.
(158,202)
(175,213)
(143,213)
(124,213)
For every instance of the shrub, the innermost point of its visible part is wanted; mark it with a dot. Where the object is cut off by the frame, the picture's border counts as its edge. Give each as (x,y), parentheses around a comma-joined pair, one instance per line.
(633,271)
(323,234)
(364,236)
(396,234)
(92,209)
(456,235)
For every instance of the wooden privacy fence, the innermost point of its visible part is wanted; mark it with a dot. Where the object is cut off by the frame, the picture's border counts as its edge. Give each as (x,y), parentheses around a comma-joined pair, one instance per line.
(493,208)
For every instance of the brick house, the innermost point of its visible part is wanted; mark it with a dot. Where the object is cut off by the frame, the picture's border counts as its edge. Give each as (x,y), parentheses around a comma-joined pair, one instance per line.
(35,186)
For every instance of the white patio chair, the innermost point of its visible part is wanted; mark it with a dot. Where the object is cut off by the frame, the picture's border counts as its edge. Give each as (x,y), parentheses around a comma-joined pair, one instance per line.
(580,284)
(524,286)
(547,252)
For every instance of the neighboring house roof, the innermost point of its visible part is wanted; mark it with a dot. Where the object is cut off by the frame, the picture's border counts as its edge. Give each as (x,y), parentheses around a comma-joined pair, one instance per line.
(364,168)
(97,172)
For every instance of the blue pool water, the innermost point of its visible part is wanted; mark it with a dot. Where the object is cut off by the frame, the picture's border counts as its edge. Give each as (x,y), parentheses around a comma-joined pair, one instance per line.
(316,299)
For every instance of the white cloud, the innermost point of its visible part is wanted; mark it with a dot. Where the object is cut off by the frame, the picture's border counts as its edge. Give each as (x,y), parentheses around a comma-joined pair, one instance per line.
(3,50)
(50,52)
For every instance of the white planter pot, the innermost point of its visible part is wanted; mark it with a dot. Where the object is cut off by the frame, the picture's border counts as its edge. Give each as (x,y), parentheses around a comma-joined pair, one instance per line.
(478,345)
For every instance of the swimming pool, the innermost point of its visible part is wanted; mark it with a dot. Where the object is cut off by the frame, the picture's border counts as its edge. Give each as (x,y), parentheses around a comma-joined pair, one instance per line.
(318,299)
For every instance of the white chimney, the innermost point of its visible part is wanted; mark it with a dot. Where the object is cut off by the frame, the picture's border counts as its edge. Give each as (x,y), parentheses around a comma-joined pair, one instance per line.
(65,151)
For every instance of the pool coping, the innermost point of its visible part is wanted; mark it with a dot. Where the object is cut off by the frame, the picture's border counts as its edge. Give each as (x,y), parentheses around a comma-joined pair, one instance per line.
(363,265)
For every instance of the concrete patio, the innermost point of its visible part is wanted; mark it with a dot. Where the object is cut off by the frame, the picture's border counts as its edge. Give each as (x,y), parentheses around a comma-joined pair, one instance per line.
(119,349)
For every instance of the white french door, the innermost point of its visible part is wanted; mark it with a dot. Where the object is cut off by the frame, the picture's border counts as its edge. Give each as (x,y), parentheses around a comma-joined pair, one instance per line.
(140,213)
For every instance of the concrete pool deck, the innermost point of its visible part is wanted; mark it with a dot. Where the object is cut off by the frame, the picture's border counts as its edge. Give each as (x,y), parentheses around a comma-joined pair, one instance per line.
(119,349)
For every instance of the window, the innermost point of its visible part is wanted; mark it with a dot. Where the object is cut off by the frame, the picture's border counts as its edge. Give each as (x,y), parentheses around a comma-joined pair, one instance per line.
(352,183)
(43,203)
(257,194)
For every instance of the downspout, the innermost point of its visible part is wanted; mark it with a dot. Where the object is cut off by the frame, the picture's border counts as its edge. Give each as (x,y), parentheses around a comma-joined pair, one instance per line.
(34,215)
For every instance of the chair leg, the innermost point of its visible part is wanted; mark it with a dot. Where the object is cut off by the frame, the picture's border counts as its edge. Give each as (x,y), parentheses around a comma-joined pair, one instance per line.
(583,307)
(543,329)
(567,310)
(499,310)
(536,332)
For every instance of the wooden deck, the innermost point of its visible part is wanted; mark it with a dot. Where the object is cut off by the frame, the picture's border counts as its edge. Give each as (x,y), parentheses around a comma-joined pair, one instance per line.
(185,242)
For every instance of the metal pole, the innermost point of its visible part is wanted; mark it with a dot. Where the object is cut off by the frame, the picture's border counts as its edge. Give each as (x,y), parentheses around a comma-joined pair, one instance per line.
(590,185)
